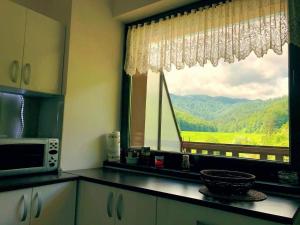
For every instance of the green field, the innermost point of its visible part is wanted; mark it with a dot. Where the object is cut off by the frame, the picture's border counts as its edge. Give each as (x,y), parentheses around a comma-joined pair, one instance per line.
(275,139)
(222,120)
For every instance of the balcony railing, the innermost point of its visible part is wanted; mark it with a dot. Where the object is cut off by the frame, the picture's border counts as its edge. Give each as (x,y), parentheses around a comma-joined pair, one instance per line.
(280,154)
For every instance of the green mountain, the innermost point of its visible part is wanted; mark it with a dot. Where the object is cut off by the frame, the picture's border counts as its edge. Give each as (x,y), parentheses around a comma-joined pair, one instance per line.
(205,113)
(189,122)
(204,106)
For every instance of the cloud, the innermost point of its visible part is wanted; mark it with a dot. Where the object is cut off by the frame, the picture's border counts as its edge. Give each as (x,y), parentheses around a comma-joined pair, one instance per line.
(252,78)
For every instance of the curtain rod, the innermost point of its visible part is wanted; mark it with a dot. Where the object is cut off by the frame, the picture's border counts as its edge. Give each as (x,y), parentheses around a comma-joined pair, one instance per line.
(181,10)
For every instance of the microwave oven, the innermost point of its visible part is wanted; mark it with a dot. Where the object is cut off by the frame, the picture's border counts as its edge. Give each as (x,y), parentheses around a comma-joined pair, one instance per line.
(24,156)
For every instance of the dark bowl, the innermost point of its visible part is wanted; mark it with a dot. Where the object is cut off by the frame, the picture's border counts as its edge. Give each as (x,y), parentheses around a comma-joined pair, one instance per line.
(227,182)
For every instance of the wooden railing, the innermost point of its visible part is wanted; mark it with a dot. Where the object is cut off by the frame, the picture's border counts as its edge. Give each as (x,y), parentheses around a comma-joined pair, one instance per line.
(241,151)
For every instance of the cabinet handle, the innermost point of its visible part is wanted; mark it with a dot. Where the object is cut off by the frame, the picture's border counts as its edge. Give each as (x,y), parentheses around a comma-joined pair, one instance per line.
(119,207)
(26,73)
(109,206)
(39,205)
(14,71)
(25,210)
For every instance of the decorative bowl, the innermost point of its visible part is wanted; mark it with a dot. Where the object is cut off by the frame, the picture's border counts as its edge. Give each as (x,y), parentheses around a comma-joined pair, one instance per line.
(227,182)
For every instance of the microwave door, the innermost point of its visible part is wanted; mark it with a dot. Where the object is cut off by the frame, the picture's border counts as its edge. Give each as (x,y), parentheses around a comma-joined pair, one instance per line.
(21,157)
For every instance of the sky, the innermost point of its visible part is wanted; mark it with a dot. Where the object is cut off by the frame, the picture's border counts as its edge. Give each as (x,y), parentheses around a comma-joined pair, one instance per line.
(252,78)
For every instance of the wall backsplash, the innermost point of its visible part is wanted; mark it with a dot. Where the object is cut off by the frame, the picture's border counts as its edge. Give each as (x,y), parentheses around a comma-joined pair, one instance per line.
(30,117)
(11,123)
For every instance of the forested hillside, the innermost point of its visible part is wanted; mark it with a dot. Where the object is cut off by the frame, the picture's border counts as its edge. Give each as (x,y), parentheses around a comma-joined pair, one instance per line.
(220,114)
(188,122)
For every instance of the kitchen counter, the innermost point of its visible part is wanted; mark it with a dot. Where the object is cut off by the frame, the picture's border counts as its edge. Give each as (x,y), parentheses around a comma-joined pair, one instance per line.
(275,208)
(281,209)
(19,182)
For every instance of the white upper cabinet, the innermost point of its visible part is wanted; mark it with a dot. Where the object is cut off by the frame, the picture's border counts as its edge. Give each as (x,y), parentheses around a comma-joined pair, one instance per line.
(54,204)
(31,50)
(15,207)
(43,54)
(12,26)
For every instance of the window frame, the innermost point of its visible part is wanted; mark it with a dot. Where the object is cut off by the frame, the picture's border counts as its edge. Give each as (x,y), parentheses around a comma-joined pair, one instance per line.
(208,161)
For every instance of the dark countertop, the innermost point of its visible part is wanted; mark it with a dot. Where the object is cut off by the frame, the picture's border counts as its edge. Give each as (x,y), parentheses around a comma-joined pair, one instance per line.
(275,208)
(27,181)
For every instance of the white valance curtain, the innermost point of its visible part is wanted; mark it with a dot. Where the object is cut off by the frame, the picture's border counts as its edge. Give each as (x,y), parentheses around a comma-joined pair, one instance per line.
(227,31)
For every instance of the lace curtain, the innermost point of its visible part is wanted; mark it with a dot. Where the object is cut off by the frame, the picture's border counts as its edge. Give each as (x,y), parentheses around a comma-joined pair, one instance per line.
(229,31)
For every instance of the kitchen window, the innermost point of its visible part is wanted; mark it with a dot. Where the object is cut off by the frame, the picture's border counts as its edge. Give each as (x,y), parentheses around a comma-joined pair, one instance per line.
(240,104)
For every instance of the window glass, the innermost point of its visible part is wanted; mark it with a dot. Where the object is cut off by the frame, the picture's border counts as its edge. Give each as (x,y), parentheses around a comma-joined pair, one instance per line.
(244,104)
(170,136)
(232,110)
(152,110)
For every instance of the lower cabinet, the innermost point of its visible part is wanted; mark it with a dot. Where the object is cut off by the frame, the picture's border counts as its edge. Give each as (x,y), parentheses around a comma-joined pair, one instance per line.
(103,205)
(95,204)
(170,212)
(134,208)
(15,207)
(45,205)
(54,204)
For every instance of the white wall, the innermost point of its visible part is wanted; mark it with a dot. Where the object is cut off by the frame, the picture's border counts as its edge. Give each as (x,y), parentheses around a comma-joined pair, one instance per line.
(92,102)
(120,7)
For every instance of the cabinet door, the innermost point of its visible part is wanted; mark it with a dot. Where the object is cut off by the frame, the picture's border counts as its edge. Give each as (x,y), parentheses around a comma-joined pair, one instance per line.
(15,207)
(171,212)
(134,208)
(95,204)
(12,26)
(43,54)
(54,204)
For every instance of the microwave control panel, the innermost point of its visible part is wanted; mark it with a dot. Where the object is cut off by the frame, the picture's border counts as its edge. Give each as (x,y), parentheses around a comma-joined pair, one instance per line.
(53,154)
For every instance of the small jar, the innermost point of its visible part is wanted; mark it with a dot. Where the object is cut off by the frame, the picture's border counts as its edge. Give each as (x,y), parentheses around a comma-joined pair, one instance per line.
(159,162)
(185,164)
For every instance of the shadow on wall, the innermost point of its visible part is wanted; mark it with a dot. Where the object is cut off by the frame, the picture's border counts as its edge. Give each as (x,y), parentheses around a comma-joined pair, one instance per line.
(57,9)
(97,148)
(103,147)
